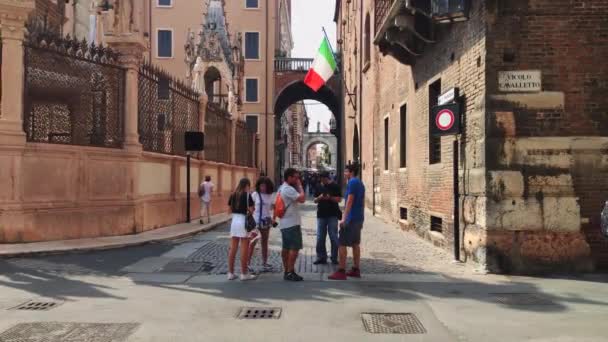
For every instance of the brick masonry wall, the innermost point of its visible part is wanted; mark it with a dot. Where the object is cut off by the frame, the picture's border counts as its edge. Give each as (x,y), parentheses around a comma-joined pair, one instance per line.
(458,59)
(567,40)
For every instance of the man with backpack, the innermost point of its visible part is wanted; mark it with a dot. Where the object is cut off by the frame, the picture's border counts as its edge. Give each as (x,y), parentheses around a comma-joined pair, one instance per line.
(289,196)
(204,192)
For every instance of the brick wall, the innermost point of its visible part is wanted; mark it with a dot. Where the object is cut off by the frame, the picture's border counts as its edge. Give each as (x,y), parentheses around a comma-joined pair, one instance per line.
(567,40)
(457,58)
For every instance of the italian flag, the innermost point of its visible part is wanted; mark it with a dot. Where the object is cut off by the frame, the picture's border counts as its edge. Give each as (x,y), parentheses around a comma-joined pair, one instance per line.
(322,68)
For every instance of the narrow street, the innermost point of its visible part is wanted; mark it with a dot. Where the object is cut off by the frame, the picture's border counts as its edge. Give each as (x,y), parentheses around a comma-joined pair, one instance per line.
(178,292)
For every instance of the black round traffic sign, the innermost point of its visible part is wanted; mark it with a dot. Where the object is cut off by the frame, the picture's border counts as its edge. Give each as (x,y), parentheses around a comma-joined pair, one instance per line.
(445,119)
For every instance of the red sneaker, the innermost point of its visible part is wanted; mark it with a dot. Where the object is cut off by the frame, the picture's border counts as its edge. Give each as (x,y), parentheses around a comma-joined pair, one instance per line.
(354,273)
(338,275)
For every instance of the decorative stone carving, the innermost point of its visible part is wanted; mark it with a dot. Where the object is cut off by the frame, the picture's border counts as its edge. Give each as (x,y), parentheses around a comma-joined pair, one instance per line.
(198,76)
(123,16)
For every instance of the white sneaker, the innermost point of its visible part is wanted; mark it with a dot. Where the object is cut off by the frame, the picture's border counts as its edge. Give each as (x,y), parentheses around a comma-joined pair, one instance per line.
(246,277)
(231,276)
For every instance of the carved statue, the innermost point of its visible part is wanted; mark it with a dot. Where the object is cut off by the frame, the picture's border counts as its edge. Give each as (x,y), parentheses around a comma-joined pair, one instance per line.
(123,16)
(190,53)
(198,76)
(231,101)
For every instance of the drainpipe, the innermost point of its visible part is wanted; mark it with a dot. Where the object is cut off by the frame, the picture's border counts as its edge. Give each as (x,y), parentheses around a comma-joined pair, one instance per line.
(266,86)
(150,33)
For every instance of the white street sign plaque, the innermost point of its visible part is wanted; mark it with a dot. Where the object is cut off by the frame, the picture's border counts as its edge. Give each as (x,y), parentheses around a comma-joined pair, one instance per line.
(520,81)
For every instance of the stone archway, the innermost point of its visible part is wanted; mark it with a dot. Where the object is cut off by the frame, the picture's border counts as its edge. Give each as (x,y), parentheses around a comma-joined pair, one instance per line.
(328,95)
(311,139)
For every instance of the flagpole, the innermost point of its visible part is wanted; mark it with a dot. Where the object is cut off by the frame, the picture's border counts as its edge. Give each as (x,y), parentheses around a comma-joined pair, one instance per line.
(329,41)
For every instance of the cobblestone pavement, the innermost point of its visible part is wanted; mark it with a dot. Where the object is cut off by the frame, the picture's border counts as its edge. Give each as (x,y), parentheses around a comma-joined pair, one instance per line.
(385,250)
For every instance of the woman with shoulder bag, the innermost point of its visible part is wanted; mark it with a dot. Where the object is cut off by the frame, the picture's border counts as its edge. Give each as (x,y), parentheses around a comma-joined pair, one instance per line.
(262,198)
(241,206)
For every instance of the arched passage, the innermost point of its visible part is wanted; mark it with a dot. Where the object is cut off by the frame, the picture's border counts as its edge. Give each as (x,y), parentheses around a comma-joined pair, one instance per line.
(330,140)
(298,91)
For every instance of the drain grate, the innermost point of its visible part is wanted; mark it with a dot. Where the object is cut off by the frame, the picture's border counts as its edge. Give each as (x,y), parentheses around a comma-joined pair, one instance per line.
(521,299)
(392,323)
(260,313)
(61,332)
(34,305)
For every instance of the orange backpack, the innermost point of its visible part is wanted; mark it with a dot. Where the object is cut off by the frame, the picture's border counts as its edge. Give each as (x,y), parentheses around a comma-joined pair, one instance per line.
(279,206)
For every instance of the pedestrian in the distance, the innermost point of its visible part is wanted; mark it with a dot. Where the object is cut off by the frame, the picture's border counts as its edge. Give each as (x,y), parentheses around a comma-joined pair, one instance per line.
(351,225)
(288,198)
(327,197)
(204,192)
(240,204)
(263,199)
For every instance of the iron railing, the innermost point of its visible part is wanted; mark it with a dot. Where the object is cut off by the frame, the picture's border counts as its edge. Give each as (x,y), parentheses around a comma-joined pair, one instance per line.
(244,140)
(218,133)
(292,64)
(167,109)
(381,10)
(74,91)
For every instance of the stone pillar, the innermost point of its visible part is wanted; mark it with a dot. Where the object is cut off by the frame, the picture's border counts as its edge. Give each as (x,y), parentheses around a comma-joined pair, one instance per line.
(131,48)
(13,17)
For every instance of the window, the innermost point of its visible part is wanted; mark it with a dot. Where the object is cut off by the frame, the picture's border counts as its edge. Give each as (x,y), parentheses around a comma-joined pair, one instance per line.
(252,122)
(165,43)
(251,90)
(436,224)
(403,213)
(434,141)
(386,143)
(403,134)
(252,45)
(164,3)
(252,4)
(367,42)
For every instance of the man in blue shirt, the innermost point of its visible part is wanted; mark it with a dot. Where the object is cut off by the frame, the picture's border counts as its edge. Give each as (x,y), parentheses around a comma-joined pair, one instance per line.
(351,225)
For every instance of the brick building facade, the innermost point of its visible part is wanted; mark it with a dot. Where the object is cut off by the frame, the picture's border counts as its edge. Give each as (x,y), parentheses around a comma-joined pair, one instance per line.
(533,165)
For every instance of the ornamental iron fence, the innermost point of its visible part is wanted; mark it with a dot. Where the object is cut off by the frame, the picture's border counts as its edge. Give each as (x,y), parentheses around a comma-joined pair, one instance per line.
(218,132)
(74,91)
(168,108)
(244,140)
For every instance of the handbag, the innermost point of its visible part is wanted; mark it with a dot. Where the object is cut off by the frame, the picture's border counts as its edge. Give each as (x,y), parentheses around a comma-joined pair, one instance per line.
(250,223)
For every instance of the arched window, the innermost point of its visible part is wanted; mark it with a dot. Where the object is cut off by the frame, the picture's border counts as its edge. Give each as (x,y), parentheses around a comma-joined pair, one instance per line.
(367,41)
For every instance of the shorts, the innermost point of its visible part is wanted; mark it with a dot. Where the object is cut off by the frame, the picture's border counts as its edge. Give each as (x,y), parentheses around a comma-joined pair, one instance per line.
(292,238)
(237,227)
(350,234)
(265,224)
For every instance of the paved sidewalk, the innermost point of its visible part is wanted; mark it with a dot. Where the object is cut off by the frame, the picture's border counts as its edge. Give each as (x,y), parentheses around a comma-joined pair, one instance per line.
(177,231)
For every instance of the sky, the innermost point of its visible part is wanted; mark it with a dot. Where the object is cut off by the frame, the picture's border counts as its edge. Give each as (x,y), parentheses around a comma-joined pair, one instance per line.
(308,19)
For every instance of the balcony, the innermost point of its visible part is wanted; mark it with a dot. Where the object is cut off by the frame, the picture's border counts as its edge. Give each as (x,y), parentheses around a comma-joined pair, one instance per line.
(292,64)
(405,27)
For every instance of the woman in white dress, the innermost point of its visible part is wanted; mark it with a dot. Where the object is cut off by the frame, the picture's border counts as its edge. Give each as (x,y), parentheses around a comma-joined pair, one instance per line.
(263,199)
(240,204)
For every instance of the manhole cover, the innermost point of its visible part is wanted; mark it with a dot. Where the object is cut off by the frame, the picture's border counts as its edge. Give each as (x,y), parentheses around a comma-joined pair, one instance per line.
(182,266)
(521,299)
(34,305)
(61,332)
(380,255)
(392,323)
(260,313)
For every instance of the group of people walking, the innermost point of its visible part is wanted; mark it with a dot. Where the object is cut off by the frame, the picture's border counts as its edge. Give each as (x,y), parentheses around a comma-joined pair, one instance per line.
(255,212)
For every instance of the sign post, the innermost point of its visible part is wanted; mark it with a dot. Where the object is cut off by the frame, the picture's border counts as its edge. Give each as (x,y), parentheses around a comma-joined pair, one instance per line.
(445,120)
